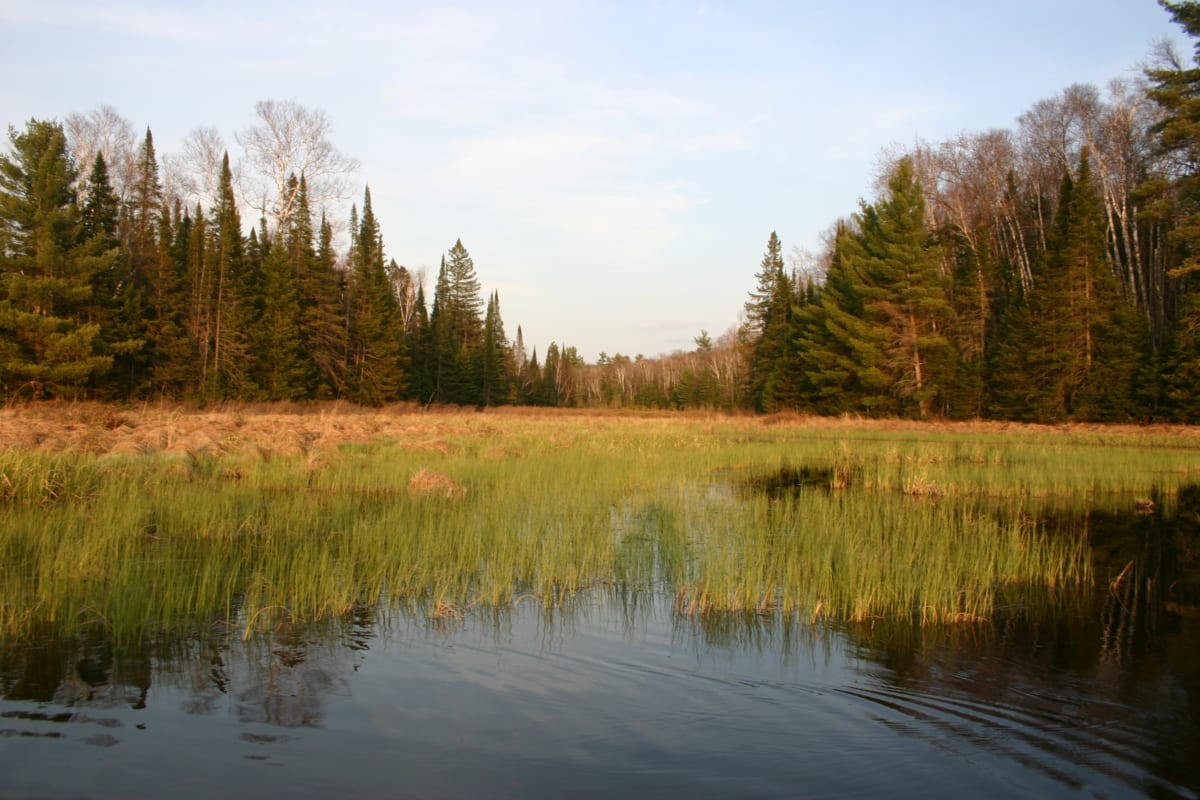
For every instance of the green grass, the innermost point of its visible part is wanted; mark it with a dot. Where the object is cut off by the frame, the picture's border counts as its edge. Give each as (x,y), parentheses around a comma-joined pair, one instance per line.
(929,525)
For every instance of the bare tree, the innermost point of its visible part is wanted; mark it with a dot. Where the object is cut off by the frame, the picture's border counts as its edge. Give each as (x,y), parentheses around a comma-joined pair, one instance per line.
(288,140)
(193,176)
(105,132)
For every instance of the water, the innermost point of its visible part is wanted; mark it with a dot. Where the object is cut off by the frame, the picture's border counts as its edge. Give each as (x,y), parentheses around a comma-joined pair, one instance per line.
(613,696)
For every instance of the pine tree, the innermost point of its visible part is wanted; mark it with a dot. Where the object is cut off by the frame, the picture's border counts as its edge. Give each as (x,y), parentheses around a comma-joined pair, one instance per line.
(904,294)
(48,346)
(1177,93)
(838,350)
(875,341)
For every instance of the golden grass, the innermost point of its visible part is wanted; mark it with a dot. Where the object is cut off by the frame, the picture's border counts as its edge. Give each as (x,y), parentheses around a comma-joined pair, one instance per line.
(429,483)
(290,429)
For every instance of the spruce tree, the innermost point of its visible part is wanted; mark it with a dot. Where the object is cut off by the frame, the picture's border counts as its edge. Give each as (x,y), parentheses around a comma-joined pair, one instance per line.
(423,386)
(1082,344)
(145,303)
(1110,330)
(378,357)
(1173,201)
(230,359)
(766,334)
(48,266)
(175,373)
(116,308)
(457,328)
(497,357)
(321,320)
(281,373)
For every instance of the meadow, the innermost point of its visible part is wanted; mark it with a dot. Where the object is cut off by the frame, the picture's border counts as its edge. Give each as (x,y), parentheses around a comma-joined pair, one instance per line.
(150,519)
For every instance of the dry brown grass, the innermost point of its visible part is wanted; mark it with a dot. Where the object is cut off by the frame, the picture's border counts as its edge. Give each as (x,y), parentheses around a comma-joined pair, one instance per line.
(285,430)
(293,429)
(428,483)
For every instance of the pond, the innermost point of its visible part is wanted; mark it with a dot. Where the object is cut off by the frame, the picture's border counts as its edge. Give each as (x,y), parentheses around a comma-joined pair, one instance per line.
(618,694)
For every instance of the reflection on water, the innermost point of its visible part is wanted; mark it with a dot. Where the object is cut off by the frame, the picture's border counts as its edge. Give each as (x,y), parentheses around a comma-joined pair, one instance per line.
(618,694)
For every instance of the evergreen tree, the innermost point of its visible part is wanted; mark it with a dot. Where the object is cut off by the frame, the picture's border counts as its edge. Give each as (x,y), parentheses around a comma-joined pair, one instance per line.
(279,354)
(1177,93)
(457,330)
(101,209)
(319,297)
(378,357)
(838,349)
(767,334)
(1081,347)
(545,392)
(973,290)
(1010,367)
(1110,332)
(201,282)
(176,372)
(904,294)
(144,301)
(47,270)
(497,357)
(229,371)
(531,381)
(116,305)
(1174,200)
(875,340)
(423,361)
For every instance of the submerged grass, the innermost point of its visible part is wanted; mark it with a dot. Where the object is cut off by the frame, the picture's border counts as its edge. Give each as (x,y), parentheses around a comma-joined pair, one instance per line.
(449,511)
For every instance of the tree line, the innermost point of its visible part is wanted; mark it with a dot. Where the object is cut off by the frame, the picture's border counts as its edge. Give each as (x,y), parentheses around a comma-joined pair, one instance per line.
(1044,273)
(126,295)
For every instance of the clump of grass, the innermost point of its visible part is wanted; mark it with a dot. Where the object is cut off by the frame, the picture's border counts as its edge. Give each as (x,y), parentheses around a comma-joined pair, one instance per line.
(427,482)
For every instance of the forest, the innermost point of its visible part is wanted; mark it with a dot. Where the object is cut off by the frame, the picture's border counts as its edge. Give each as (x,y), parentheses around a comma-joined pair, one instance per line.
(1043,274)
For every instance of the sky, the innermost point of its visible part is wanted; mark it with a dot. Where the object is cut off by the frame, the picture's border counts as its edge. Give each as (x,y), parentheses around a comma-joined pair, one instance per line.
(614,168)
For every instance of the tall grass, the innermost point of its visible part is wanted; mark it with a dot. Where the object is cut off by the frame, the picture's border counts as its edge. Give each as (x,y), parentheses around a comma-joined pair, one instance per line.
(935,526)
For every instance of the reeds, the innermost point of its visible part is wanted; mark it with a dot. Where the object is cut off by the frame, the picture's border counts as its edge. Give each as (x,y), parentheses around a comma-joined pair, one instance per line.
(452,511)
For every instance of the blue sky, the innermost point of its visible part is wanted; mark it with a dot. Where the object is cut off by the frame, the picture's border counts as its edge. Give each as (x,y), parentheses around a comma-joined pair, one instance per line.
(614,168)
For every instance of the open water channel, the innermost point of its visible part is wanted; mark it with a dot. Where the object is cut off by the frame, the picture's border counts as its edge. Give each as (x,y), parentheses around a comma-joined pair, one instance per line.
(618,695)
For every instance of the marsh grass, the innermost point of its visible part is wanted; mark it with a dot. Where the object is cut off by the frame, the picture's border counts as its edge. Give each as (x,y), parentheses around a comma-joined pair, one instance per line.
(446,513)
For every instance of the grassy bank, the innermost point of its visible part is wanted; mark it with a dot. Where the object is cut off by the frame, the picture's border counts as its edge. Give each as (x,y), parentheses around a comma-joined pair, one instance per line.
(155,518)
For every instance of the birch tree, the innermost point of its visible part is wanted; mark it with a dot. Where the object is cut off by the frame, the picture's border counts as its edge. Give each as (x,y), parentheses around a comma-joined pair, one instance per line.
(103,131)
(290,139)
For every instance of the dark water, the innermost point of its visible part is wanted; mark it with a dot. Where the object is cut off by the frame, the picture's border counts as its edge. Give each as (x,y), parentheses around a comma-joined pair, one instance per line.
(618,696)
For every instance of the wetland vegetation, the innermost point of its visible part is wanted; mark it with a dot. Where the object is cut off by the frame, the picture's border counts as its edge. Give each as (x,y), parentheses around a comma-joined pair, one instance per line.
(163,519)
